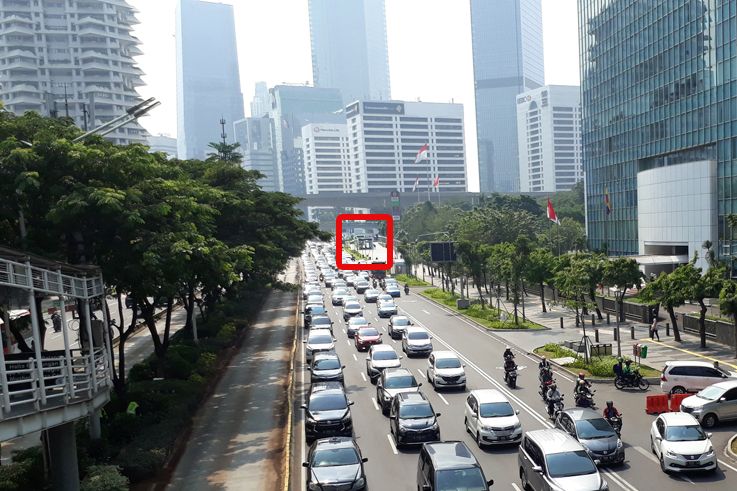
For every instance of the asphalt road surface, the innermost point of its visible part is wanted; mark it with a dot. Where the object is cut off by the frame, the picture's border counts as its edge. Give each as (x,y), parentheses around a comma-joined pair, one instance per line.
(391,469)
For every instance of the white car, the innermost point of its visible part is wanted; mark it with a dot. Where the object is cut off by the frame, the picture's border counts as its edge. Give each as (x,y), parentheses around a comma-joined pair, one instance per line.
(490,418)
(311,289)
(315,298)
(354,324)
(445,370)
(680,444)
(380,356)
(416,341)
(384,297)
(351,279)
(391,382)
(397,325)
(679,377)
(387,309)
(352,309)
(338,296)
(318,340)
(338,283)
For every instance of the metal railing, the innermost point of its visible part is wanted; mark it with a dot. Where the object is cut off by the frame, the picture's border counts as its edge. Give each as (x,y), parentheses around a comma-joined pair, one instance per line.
(23,275)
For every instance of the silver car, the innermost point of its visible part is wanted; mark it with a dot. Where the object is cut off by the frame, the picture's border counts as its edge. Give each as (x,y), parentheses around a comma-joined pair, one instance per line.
(713,404)
(594,433)
(416,341)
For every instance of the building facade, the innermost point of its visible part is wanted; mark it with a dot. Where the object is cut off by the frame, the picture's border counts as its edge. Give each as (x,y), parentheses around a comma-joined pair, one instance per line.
(507,60)
(327,163)
(208,82)
(549,138)
(163,143)
(659,132)
(292,107)
(71,58)
(255,136)
(386,137)
(260,104)
(349,48)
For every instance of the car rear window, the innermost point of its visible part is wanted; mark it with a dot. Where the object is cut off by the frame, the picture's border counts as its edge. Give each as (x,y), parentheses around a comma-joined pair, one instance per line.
(418,335)
(327,364)
(328,402)
(385,355)
(589,429)
(368,331)
(569,464)
(400,382)
(470,479)
(400,321)
(320,339)
(334,456)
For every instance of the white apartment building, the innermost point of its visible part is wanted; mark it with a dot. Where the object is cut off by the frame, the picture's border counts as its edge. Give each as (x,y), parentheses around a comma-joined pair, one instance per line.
(327,163)
(163,143)
(71,58)
(549,138)
(386,136)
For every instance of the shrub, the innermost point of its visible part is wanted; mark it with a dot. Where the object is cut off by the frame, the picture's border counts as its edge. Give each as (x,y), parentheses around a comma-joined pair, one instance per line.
(104,478)
(206,363)
(121,427)
(141,371)
(187,351)
(227,332)
(175,366)
(139,464)
(26,471)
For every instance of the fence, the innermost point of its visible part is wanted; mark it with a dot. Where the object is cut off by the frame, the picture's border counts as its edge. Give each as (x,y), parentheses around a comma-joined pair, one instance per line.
(721,332)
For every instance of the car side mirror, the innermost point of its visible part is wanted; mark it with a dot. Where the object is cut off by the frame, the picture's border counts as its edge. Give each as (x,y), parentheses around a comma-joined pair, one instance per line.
(490,482)
(430,337)
(309,368)
(722,399)
(350,403)
(303,406)
(517,411)
(463,366)
(392,417)
(426,487)
(437,415)
(305,464)
(708,435)
(401,357)
(537,468)
(364,460)
(419,385)
(342,367)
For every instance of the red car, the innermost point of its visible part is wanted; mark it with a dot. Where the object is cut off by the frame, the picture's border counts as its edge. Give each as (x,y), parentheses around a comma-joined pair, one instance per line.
(365,337)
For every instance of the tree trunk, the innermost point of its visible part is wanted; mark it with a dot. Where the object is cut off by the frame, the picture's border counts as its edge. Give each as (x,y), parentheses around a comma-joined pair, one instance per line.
(486,283)
(41,321)
(592,294)
(167,325)
(674,321)
(542,295)
(702,323)
(478,289)
(584,307)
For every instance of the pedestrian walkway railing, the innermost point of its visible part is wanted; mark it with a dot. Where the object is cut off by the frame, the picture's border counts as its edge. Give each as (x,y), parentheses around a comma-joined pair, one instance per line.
(24,275)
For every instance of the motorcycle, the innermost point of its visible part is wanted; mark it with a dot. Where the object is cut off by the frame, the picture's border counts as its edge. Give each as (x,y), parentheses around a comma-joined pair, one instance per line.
(546,373)
(616,422)
(510,377)
(557,407)
(585,399)
(635,380)
(544,386)
(406,290)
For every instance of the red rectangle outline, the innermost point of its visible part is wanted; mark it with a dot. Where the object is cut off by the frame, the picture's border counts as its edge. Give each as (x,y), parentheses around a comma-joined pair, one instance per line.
(368,217)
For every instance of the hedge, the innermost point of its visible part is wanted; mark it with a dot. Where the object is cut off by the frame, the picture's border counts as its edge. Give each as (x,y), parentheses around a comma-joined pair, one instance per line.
(104,478)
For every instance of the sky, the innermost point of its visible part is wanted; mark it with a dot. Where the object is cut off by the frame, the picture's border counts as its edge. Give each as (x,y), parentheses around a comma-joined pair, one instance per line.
(429,53)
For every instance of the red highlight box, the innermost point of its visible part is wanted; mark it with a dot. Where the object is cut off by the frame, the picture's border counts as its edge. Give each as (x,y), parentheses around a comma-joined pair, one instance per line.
(375,217)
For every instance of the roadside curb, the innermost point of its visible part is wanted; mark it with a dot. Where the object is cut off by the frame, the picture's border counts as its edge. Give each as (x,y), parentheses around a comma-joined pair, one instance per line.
(728,450)
(286,467)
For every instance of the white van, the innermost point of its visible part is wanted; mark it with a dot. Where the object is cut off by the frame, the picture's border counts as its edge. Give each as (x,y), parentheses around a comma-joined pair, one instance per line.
(680,377)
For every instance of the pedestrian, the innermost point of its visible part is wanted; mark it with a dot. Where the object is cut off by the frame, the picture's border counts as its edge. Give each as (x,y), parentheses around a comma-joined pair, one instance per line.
(654,330)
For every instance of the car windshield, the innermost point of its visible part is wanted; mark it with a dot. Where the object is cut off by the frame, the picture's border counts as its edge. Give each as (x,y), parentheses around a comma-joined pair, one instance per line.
(495,410)
(400,321)
(314,299)
(328,402)
(334,456)
(447,363)
(591,429)
(711,393)
(340,291)
(327,364)
(321,321)
(320,339)
(353,305)
(418,335)
(385,355)
(368,331)
(317,309)
(400,382)
(470,479)
(358,321)
(384,296)
(371,292)
(387,305)
(689,433)
(568,464)
(415,411)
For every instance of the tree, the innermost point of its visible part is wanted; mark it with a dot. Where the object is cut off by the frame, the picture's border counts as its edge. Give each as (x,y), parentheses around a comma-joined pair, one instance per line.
(622,274)
(571,280)
(594,264)
(702,286)
(539,270)
(569,236)
(670,290)
(521,251)
(225,152)
(728,305)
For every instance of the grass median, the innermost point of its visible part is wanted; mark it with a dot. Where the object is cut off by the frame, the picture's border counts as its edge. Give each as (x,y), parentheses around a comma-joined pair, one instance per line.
(598,367)
(411,280)
(487,316)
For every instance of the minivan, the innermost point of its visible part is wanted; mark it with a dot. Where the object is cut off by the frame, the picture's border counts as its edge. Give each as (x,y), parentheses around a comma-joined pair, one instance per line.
(679,377)
(412,420)
(445,466)
(552,460)
(716,403)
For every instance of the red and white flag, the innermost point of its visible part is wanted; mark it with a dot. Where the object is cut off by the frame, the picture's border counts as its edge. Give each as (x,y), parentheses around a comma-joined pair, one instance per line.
(417,182)
(436,183)
(551,213)
(422,154)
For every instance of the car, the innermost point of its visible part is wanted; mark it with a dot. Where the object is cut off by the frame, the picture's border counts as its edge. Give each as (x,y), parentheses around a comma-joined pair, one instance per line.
(351,279)
(338,295)
(362,286)
(371,295)
(318,340)
(352,309)
(449,465)
(680,444)
(326,366)
(391,382)
(354,324)
(321,322)
(311,290)
(387,309)
(679,377)
(313,310)
(335,463)
(444,369)
(327,412)
(552,460)
(412,420)
(339,284)
(490,418)
(315,298)
(384,297)
(393,290)
(329,278)
(416,341)
(397,325)
(366,337)
(380,357)
(716,403)
(594,432)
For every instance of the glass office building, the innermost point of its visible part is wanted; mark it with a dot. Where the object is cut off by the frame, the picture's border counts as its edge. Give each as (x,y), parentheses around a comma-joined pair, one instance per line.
(659,97)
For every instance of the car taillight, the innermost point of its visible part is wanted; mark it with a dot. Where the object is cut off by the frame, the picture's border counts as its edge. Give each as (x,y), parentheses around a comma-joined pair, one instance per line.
(662,377)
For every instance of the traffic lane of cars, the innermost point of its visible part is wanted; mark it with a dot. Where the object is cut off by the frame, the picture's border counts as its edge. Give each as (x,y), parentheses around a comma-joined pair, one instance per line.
(477,345)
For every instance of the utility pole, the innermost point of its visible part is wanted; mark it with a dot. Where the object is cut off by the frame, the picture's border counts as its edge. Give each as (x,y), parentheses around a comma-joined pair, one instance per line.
(85,113)
(224,136)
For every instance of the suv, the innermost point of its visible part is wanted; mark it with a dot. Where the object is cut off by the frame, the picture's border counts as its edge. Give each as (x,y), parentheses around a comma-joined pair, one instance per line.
(327,412)
(335,463)
(391,382)
(491,419)
(416,341)
(380,356)
(444,369)
(551,460)
(593,432)
(318,340)
(679,377)
(326,366)
(397,325)
(449,465)
(413,420)
(716,403)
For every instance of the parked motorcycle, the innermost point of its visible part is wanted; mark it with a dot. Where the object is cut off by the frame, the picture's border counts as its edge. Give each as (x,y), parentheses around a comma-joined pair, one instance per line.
(635,380)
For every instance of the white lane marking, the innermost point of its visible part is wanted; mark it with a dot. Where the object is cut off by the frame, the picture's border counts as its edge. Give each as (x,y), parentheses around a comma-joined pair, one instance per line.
(721,462)
(443,399)
(363,376)
(422,373)
(355,357)
(516,488)
(302,443)
(685,478)
(425,311)
(619,480)
(344,332)
(348,341)
(376,405)
(647,454)
(383,328)
(391,443)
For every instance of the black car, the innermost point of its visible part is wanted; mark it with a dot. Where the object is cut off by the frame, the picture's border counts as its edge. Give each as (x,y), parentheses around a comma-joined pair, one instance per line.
(391,382)
(327,412)
(412,419)
(335,463)
(326,366)
(321,322)
(397,325)
(312,311)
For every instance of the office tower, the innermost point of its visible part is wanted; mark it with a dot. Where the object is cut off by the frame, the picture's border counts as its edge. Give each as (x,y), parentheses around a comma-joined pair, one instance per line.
(549,138)
(387,136)
(163,143)
(659,148)
(327,162)
(71,59)
(507,60)
(349,48)
(292,107)
(261,102)
(208,83)
(255,136)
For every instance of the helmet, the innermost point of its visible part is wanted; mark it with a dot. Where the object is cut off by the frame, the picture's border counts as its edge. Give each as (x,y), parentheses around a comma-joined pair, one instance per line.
(508,347)
(609,404)
(543,358)
(581,375)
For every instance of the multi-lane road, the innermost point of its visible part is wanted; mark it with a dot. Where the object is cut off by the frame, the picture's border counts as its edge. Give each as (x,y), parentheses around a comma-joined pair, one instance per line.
(392,469)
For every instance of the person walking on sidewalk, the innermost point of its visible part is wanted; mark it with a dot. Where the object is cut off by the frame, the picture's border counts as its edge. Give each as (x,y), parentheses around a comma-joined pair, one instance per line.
(654,330)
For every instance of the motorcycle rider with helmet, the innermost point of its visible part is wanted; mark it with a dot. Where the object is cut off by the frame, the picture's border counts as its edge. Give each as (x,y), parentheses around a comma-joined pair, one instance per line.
(553,396)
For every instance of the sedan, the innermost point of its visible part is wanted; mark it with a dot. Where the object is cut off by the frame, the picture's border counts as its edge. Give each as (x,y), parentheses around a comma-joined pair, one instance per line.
(315,298)
(398,324)
(335,463)
(416,341)
(321,322)
(354,324)
(362,286)
(326,366)
(393,290)
(594,433)
(318,340)
(352,309)
(681,445)
(445,370)
(394,381)
(367,337)
(384,297)
(339,284)
(371,295)
(380,357)
(387,309)
(338,295)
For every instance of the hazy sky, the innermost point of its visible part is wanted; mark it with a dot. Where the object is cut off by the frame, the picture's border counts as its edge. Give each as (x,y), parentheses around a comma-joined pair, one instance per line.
(429,53)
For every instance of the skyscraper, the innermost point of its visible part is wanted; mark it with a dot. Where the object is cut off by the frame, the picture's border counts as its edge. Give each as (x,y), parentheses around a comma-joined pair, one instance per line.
(507,60)
(255,136)
(261,102)
(71,59)
(208,83)
(349,48)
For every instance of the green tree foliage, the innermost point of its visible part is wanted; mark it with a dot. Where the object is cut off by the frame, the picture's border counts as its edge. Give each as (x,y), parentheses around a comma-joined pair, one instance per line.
(539,270)
(621,273)
(568,204)
(728,305)
(670,290)
(569,236)
(572,281)
(702,286)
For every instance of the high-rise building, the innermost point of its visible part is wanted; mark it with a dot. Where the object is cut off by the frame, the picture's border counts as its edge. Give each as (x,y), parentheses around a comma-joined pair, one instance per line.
(327,162)
(349,48)
(163,143)
(261,102)
(255,136)
(549,136)
(208,82)
(386,137)
(71,59)
(660,146)
(507,60)
(292,107)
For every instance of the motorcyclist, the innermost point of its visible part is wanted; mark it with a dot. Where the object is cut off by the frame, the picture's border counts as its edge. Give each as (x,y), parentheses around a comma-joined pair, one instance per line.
(508,353)
(582,376)
(610,411)
(406,288)
(618,367)
(581,389)
(553,395)
(374,283)
(509,365)
(544,363)
(56,321)
(627,371)
(546,375)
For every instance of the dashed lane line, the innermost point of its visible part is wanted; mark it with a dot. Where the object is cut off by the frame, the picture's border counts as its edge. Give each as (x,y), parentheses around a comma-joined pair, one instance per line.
(363,376)
(376,405)
(391,443)
(355,357)
(422,373)
(443,399)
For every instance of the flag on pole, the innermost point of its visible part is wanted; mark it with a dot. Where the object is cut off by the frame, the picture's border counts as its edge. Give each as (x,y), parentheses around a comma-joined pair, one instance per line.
(551,213)
(422,154)
(417,182)
(436,183)
(607,201)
